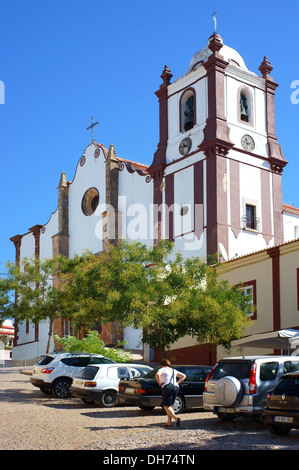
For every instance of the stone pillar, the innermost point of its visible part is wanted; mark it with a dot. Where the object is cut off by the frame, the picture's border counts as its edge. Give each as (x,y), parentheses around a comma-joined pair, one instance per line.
(60,241)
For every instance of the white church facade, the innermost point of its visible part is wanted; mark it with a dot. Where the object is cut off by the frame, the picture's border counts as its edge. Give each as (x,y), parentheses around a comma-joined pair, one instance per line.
(214,186)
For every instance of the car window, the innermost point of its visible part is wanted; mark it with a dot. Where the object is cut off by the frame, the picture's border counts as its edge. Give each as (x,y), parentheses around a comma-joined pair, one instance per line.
(290,366)
(117,372)
(80,361)
(195,375)
(151,374)
(238,369)
(123,372)
(88,373)
(268,370)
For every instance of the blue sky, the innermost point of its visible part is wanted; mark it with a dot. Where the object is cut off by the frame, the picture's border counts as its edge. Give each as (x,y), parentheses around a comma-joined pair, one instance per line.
(62,61)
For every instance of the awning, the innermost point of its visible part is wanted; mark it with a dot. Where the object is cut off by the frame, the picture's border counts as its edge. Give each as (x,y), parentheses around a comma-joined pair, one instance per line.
(281,339)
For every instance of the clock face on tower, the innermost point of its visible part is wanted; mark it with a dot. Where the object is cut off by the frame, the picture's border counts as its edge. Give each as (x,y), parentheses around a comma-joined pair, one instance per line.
(247,143)
(185,146)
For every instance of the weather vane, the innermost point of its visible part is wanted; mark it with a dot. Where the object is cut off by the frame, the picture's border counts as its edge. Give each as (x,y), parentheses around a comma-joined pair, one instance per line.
(91,127)
(214,19)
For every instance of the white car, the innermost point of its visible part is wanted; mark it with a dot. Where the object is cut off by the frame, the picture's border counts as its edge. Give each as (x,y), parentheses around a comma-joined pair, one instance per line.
(53,373)
(98,383)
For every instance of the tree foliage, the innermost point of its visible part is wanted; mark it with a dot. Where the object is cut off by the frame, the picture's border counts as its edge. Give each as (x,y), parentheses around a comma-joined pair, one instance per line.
(157,290)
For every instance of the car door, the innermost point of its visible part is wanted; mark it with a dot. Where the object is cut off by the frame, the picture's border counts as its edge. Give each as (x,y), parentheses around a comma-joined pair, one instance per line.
(193,386)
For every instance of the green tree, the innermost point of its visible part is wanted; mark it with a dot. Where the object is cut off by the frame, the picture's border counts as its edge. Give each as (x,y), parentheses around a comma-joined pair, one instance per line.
(31,292)
(157,290)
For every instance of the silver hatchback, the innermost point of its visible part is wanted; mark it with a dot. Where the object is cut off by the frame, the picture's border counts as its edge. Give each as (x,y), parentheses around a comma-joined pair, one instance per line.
(239,385)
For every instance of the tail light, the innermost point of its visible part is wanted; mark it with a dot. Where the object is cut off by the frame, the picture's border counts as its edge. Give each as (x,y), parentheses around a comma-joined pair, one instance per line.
(209,376)
(252,380)
(47,370)
(139,391)
(90,384)
(121,388)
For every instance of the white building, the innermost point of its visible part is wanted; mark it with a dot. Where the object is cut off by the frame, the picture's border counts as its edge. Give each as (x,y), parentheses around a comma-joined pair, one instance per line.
(214,186)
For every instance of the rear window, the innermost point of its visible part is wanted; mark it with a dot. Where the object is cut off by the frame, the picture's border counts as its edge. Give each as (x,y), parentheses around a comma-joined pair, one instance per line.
(88,373)
(240,370)
(288,385)
(45,360)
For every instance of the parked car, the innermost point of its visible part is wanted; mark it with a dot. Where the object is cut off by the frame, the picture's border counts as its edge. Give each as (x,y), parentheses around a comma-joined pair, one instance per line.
(53,373)
(98,383)
(239,385)
(145,392)
(281,413)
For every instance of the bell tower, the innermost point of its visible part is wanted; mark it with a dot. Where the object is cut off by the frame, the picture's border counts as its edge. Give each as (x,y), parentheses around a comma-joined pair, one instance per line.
(217,169)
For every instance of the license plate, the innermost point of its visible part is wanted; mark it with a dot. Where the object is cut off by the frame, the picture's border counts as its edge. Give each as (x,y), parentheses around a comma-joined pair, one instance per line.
(283,419)
(130,390)
(227,410)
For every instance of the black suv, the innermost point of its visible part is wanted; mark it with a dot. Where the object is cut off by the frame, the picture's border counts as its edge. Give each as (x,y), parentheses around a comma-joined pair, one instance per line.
(281,413)
(145,392)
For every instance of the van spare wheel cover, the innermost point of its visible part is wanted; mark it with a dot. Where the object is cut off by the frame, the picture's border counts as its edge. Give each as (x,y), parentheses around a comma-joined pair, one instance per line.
(228,391)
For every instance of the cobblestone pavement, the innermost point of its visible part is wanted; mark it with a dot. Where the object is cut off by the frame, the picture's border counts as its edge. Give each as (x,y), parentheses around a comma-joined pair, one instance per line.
(31,420)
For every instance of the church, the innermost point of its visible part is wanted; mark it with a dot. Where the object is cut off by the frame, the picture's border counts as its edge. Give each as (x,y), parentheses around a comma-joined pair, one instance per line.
(214,185)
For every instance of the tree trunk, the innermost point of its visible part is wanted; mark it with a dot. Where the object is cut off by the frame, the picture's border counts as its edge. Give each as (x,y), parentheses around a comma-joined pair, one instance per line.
(50,336)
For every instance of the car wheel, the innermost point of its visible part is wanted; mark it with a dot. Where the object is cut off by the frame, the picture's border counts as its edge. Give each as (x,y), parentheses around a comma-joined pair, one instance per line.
(228,391)
(61,387)
(109,399)
(279,430)
(179,404)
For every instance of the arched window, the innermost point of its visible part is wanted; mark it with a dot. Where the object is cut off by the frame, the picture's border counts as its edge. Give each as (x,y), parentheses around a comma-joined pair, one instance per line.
(245,106)
(187,110)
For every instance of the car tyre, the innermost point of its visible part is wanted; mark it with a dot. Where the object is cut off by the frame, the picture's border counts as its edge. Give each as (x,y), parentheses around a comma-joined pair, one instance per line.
(109,399)
(61,387)
(179,404)
(279,430)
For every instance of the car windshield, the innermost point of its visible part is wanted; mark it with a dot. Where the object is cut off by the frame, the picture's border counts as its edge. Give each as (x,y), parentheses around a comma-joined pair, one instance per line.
(88,373)
(238,369)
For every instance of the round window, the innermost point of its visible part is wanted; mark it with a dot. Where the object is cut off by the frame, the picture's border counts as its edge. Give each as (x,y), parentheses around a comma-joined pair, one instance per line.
(90,201)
